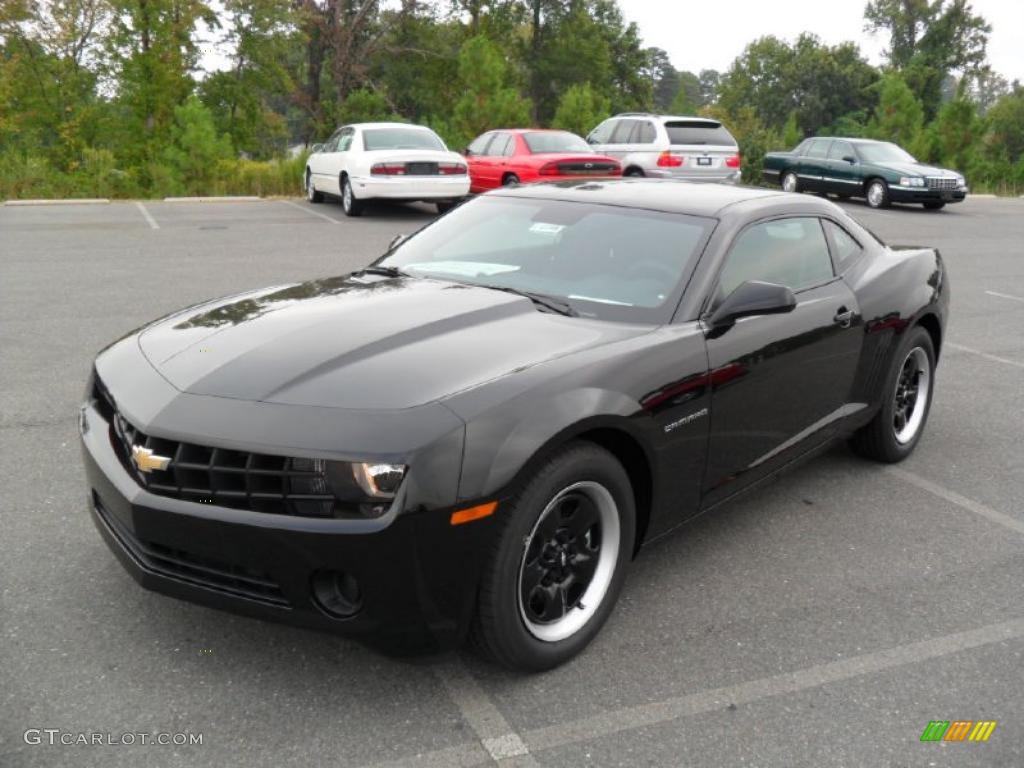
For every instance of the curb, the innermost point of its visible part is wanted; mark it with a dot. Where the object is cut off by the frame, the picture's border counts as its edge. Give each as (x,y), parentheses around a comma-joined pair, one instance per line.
(219,199)
(70,201)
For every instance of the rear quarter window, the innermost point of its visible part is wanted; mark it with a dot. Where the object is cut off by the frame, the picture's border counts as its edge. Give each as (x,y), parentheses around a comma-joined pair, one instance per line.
(698,132)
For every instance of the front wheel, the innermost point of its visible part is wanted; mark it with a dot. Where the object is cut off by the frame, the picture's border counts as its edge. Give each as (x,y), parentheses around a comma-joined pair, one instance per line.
(349,203)
(558,564)
(878,194)
(907,395)
(311,194)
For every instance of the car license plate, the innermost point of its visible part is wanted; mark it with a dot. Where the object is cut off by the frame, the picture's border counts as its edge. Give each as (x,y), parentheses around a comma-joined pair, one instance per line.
(703,161)
(421,169)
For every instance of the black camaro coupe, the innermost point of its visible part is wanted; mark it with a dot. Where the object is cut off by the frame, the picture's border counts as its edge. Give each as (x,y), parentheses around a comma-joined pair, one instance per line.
(475,435)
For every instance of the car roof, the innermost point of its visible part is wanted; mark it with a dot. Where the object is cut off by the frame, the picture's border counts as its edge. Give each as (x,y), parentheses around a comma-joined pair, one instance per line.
(387,125)
(688,118)
(850,139)
(694,198)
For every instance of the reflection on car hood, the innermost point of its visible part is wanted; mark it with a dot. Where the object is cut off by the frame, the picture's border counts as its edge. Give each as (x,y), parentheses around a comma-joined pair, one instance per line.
(917,169)
(362,342)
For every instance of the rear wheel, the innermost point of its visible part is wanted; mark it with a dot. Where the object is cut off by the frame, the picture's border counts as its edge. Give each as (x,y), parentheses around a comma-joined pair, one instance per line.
(634,172)
(935,205)
(445,206)
(790,182)
(877,194)
(510,180)
(311,194)
(349,204)
(899,423)
(558,565)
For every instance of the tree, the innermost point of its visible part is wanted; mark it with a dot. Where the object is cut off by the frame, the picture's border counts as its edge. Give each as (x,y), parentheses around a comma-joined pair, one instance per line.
(663,77)
(196,151)
(899,116)
(580,110)
(1006,127)
(487,101)
(929,39)
(688,97)
(709,82)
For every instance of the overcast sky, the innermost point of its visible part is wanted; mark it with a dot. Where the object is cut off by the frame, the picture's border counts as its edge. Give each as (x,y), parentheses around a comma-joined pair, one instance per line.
(709,35)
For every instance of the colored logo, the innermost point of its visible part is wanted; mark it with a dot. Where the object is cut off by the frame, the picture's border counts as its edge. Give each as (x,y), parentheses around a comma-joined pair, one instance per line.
(958,730)
(147,461)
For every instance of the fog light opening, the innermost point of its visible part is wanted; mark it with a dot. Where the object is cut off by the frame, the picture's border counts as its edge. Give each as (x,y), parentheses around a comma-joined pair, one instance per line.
(337,593)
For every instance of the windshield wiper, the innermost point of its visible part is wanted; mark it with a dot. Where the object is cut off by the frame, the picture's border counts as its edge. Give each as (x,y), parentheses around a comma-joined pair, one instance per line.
(377,269)
(547,302)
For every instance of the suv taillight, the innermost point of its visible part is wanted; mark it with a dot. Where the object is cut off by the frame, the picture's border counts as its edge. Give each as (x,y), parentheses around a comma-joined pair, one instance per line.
(667,160)
(733,162)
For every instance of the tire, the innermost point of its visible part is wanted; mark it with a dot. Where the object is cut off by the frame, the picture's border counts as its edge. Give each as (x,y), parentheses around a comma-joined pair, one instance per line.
(510,180)
(349,203)
(634,172)
(311,194)
(526,628)
(877,194)
(894,431)
(444,207)
(790,182)
(934,205)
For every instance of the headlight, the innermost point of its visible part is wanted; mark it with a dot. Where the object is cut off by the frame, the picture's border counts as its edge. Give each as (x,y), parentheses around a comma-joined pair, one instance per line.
(360,489)
(911,181)
(961,181)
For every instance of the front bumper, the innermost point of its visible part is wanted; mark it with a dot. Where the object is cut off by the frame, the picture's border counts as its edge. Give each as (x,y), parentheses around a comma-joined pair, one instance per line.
(416,573)
(441,188)
(901,194)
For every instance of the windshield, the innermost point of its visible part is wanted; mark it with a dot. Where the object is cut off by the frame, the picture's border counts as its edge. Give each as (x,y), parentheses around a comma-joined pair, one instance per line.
(604,261)
(884,152)
(401,138)
(556,141)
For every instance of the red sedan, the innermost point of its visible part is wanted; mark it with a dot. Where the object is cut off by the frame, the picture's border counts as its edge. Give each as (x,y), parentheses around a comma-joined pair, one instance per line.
(523,155)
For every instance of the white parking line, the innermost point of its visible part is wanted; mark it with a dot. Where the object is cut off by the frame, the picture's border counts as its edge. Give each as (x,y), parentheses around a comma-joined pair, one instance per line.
(489,725)
(1013,523)
(149,219)
(659,712)
(986,355)
(311,212)
(1005,296)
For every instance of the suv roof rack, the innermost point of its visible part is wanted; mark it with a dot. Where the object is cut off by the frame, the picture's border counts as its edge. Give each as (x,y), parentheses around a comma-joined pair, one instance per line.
(634,114)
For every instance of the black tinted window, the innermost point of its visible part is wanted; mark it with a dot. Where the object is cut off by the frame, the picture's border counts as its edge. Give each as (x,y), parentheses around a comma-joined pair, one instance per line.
(622,131)
(845,248)
(790,252)
(698,132)
(818,148)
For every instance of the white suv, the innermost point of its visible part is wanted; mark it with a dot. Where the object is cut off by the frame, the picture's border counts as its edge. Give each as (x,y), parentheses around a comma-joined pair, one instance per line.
(667,146)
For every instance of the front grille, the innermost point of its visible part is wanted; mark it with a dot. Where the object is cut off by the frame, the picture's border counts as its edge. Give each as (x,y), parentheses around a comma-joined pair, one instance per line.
(232,579)
(421,169)
(586,168)
(941,182)
(259,482)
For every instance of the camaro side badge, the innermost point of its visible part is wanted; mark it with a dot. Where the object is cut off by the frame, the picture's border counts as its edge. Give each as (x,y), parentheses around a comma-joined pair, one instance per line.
(686,419)
(147,461)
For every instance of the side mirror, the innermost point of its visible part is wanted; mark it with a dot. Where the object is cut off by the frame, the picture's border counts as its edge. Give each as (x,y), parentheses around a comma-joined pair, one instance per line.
(850,159)
(753,298)
(591,140)
(395,242)
(467,152)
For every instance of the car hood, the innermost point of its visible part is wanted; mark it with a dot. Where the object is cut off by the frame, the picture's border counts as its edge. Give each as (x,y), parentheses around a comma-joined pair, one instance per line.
(368,342)
(917,169)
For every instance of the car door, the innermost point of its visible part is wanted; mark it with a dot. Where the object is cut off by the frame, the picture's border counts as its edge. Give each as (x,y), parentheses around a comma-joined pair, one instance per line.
(476,161)
(341,159)
(601,136)
(619,142)
(320,162)
(496,159)
(812,165)
(780,382)
(841,173)
(332,160)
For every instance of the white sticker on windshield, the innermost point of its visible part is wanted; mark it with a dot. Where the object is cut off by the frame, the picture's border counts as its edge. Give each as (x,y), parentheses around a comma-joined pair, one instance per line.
(544,228)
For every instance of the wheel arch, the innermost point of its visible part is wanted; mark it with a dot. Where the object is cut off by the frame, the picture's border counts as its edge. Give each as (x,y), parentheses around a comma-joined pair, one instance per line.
(930,322)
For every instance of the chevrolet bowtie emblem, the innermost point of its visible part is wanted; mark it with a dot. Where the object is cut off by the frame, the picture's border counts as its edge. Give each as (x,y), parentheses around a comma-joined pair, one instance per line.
(147,461)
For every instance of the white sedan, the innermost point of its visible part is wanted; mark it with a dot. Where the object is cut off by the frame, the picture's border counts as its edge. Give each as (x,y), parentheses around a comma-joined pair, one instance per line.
(395,161)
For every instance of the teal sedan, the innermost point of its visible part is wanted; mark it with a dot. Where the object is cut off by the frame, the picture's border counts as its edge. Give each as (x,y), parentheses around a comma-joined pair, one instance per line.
(879,171)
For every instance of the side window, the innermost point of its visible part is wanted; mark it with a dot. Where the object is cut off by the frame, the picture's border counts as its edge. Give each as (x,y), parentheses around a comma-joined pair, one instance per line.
(331,144)
(818,148)
(623,131)
(345,140)
(845,249)
(500,145)
(790,252)
(602,133)
(644,133)
(841,149)
(479,144)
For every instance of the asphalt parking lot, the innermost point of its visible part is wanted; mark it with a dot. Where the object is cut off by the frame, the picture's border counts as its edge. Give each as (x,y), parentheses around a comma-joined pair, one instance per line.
(823,621)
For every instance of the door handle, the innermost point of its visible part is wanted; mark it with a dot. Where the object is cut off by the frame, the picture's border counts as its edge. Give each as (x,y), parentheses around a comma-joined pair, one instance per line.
(843,317)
